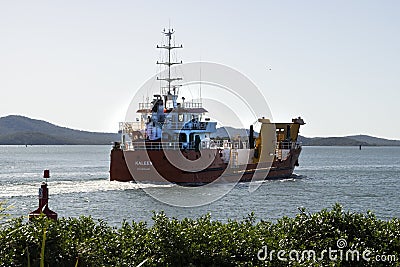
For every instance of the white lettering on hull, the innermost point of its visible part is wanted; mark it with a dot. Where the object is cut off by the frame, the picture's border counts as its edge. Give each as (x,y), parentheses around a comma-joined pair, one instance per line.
(143,163)
(143,169)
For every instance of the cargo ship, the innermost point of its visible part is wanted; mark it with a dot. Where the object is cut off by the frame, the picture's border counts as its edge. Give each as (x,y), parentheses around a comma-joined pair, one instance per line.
(172,141)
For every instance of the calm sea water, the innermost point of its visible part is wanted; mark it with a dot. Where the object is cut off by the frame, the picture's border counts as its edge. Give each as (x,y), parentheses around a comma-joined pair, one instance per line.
(361,180)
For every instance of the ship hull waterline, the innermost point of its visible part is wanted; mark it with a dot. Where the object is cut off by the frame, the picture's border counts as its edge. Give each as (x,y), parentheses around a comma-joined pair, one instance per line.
(153,166)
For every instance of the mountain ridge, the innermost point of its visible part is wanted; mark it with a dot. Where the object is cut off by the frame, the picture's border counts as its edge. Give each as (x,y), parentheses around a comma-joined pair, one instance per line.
(350,140)
(21,130)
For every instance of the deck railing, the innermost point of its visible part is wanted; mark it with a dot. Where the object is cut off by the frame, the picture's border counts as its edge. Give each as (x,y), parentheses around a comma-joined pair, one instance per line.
(137,126)
(186,125)
(128,126)
(205,144)
(288,145)
(192,105)
(145,106)
(167,145)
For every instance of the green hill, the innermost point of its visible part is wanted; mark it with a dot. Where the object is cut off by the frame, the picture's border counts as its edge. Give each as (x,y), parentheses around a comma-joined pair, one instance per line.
(331,141)
(20,130)
(353,140)
(375,140)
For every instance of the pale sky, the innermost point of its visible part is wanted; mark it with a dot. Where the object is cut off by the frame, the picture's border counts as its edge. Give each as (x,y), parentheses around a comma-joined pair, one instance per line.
(79,63)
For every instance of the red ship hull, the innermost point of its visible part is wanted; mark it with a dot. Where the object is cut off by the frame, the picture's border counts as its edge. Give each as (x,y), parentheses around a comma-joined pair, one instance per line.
(153,166)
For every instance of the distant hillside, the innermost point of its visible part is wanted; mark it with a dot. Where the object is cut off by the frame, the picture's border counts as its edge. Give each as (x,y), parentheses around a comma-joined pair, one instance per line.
(354,140)
(374,140)
(20,130)
(331,141)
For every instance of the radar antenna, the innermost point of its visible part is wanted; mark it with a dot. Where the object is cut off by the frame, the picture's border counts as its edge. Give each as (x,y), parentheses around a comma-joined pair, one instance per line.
(169,47)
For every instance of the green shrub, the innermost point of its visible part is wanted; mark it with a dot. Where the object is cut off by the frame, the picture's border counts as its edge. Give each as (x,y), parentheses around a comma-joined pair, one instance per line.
(197,242)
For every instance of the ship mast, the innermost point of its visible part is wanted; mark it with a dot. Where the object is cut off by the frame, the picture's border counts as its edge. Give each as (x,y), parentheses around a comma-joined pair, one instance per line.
(169,47)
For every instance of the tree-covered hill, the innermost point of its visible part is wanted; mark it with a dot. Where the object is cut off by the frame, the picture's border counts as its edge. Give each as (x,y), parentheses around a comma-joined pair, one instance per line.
(20,130)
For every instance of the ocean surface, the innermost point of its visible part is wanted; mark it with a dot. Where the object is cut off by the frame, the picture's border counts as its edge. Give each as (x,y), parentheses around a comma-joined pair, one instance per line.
(360,180)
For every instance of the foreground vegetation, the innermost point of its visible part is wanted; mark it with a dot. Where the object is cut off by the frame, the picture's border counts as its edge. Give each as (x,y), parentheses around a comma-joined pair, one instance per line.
(201,242)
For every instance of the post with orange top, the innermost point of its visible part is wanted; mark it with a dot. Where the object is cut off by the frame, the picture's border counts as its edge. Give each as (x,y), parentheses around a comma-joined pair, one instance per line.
(43,200)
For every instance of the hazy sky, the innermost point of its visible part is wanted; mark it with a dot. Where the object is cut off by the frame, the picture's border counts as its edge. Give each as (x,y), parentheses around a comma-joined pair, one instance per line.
(79,63)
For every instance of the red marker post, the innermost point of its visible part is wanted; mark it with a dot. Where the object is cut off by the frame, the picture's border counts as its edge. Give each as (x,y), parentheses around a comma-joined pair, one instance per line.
(44,200)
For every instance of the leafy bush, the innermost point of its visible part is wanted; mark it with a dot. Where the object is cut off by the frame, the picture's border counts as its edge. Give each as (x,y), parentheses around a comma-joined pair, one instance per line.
(200,242)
